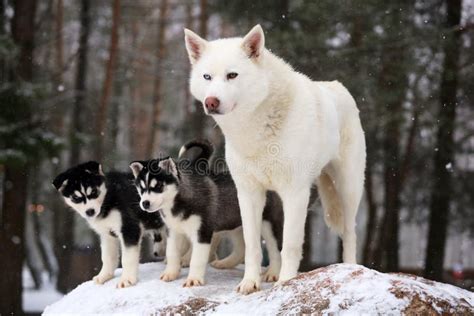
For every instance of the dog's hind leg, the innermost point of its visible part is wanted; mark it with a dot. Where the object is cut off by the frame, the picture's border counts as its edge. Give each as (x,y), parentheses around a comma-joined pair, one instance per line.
(237,254)
(273,270)
(347,177)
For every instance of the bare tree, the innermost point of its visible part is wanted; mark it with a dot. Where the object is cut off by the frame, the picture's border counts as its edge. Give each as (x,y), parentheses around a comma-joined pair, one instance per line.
(16,175)
(107,87)
(444,154)
(64,219)
(157,98)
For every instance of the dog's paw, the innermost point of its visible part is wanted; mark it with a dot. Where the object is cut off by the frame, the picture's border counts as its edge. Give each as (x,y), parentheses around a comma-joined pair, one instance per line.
(248,286)
(190,282)
(101,278)
(126,281)
(169,276)
(185,261)
(221,264)
(270,276)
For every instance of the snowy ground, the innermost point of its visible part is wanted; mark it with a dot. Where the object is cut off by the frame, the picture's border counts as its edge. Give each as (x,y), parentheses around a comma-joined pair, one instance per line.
(340,289)
(35,301)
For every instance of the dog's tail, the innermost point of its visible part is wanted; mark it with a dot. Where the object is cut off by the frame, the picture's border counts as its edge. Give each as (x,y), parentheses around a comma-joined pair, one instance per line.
(333,212)
(197,152)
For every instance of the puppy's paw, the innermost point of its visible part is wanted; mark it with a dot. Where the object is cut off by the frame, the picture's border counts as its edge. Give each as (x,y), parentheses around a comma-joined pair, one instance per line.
(126,281)
(101,278)
(221,264)
(270,275)
(169,276)
(248,286)
(190,282)
(185,261)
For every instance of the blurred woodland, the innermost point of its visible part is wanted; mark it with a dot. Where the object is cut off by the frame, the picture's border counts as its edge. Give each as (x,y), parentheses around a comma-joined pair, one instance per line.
(108,80)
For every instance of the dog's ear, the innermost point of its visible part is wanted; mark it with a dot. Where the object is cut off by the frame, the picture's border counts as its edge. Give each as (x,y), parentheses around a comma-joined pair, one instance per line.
(93,167)
(195,45)
(254,42)
(169,166)
(60,181)
(136,167)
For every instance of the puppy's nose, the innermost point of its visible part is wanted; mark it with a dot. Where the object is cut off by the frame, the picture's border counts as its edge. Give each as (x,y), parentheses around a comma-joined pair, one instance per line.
(90,212)
(146,204)
(212,103)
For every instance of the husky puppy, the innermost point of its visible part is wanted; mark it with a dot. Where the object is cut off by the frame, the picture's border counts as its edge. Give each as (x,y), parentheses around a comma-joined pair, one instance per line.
(284,132)
(196,206)
(109,204)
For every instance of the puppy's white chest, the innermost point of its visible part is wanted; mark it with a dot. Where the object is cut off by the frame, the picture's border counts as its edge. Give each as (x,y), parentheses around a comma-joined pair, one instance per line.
(111,224)
(186,226)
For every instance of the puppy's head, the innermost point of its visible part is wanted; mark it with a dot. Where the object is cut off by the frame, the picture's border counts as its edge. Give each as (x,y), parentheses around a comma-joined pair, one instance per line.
(228,74)
(83,188)
(157,183)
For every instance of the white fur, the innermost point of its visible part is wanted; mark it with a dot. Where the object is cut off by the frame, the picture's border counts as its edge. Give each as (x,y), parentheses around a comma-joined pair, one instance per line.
(283,132)
(110,250)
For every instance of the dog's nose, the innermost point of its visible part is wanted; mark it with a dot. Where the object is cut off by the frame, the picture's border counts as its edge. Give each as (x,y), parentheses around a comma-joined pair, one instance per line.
(90,212)
(146,204)
(212,103)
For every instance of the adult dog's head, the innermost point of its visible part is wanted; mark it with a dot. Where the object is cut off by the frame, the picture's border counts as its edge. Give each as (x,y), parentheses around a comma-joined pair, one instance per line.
(228,74)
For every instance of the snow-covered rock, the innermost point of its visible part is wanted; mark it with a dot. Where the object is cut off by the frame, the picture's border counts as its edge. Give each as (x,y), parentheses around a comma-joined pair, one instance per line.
(339,289)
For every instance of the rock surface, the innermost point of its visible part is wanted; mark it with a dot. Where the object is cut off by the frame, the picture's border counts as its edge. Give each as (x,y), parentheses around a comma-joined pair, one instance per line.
(339,288)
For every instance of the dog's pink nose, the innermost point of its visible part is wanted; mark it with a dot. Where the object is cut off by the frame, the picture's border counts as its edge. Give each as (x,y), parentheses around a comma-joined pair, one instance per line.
(212,103)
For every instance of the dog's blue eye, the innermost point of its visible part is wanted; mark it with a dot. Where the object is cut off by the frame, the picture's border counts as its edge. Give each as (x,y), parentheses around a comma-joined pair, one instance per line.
(232,75)
(207,77)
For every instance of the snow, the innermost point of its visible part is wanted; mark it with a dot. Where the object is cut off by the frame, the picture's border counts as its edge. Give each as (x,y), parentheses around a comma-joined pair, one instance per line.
(341,289)
(34,300)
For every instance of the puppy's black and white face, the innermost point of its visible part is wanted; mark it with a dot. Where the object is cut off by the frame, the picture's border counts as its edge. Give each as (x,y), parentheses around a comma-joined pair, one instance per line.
(157,183)
(83,188)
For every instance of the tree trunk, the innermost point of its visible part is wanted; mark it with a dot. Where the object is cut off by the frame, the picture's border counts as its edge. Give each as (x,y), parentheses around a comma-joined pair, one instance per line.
(198,117)
(187,93)
(64,218)
(59,41)
(370,227)
(107,88)
(12,243)
(393,85)
(12,223)
(3,63)
(157,97)
(444,153)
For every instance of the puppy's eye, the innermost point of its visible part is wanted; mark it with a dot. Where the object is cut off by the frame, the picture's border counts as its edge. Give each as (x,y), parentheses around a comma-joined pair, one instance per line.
(94,193)
(76,199)
(232,75)
(207,76)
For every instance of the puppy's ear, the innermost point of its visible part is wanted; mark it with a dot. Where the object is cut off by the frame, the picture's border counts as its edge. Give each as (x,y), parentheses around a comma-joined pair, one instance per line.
(60,181)
(169,166)
(254,42)
(136,167)
(195,45)
(93,167)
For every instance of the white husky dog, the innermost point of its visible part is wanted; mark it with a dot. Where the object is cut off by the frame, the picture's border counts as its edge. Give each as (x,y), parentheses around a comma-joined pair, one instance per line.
(283,132)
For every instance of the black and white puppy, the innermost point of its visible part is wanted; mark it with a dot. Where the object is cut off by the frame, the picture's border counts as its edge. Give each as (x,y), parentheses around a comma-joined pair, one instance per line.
(110,204)
(196,205)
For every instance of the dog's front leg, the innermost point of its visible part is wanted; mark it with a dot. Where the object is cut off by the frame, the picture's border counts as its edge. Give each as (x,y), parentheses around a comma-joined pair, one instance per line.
(173,256)
(110,255)
(251,202)
(199,260)
(295,208)
(130,261)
